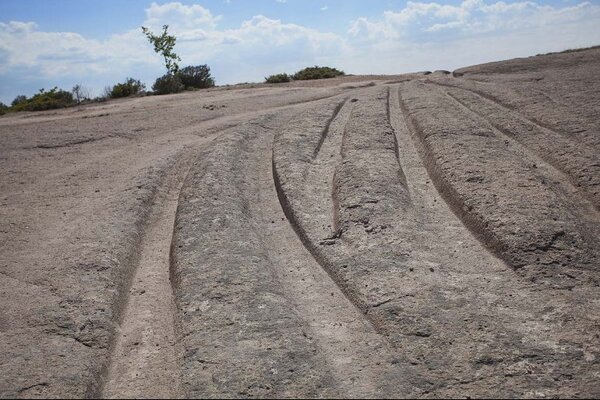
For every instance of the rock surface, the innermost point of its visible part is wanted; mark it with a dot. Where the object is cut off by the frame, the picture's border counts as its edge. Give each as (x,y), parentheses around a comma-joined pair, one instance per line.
(422,235)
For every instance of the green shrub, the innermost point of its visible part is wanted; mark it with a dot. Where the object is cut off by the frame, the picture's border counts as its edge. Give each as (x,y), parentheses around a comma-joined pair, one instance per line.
(3,108)
(46,100)
(168,83)
(18,100)
(196,77)
(129,88)
(317,72)
(278,78)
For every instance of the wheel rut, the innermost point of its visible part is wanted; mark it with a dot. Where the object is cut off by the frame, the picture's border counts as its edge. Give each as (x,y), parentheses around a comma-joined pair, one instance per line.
(359,358)
(429,194)
(562,182)
(320,180)
(145,357)
(491,293)
(572,162)
(505,106)
(445,190)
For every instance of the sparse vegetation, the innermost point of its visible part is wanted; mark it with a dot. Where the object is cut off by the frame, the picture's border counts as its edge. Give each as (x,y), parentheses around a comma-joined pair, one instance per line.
(18,100)
(80,93)
(167,84)
(3,108)
(128,88)
(44,100)
(278,78)
(576,50)
(317,72)
(196,77)
(191,77)
(105,93)
(163,45)
(176,80)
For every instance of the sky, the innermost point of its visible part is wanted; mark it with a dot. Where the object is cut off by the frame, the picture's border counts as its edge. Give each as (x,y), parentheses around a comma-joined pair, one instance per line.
(94,43)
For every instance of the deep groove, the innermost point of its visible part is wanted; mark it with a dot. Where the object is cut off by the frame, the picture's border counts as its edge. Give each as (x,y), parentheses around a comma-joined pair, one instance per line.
(97,386)
(344,138)
(335,204)
(312,249)
(565,177)
(325,131)
(448,192)
(68,144)
(396,144)
(335,322)
(316,158)
(494,99)
(146,355)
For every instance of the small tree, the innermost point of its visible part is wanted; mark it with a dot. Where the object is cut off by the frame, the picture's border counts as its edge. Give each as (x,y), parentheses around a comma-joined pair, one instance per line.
(164,45)
(80,93)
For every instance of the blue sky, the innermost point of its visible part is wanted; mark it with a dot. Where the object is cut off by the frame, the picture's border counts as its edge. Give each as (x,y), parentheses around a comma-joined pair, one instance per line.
(97,43)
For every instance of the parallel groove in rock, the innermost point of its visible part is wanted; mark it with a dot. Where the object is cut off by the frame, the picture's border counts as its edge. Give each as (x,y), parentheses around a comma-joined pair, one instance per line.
(460,133)
(499,102)
(559,153)
(145,351)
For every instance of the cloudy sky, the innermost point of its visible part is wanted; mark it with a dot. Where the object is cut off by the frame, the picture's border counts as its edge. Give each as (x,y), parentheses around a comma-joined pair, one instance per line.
(44,43)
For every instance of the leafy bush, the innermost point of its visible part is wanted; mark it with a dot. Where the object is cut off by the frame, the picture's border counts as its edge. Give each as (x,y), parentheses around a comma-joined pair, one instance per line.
(128,88)
(46,100)
(168,83)
(278,78)
(18,100)
(317,72)
(3,108)
(196,77)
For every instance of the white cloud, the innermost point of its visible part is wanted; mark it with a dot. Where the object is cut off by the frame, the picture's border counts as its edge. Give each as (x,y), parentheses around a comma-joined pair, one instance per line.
(436,36)
(421,35)
(56,53)
(470,17)
(324,8)
(184,20)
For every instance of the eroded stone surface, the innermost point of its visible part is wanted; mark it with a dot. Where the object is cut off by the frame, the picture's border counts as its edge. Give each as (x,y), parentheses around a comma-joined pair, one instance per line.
(412,236)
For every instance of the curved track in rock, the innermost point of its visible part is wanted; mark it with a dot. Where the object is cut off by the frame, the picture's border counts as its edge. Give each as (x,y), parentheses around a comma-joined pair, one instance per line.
(476,164)
(408,236)
(145,349)
(580,164)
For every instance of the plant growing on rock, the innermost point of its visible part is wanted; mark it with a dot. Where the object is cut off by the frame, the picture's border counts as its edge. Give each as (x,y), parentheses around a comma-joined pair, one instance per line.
(128,88)
(163,45)
(278,78)
(45,100)
(197,77)
(18,100)
(168,83)
(176,80)
(317,72)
